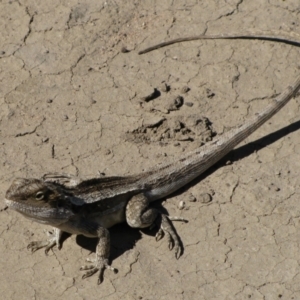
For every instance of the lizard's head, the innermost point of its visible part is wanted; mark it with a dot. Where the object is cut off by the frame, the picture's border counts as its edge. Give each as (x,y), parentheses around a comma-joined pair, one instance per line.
(32,191)
(42,201)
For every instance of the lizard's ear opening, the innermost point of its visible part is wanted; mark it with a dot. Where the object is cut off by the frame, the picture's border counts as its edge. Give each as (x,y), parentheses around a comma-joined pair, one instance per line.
(39,195)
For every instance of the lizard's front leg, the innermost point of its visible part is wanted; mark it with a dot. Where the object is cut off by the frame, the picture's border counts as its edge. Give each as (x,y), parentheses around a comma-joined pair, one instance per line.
(100,262)
(140,215)
(54,239)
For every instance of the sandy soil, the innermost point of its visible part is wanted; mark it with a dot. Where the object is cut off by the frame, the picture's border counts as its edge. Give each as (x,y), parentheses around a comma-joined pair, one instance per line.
(71,102)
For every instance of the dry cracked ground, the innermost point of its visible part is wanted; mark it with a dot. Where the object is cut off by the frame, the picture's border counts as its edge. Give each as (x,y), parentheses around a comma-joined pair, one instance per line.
(74,96)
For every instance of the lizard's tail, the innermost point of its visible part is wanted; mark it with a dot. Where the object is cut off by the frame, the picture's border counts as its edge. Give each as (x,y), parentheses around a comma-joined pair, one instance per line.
(168,178)
(281,36)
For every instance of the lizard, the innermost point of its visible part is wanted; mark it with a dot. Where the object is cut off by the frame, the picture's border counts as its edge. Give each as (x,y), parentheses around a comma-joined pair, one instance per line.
(291,38)
(90,207)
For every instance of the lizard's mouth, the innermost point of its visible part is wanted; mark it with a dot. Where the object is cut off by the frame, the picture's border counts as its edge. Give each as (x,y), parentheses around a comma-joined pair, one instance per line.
(49,215)
(16,205)
(11,204)
(7,202)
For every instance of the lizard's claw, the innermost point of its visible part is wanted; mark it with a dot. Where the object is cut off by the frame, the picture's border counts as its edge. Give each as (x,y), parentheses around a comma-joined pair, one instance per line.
(98,264)
(54,239)
(166,228)
(161,233)
(48,244)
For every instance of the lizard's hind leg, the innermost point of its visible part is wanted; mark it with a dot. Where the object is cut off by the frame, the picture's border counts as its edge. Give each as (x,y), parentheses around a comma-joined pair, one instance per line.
(140,215)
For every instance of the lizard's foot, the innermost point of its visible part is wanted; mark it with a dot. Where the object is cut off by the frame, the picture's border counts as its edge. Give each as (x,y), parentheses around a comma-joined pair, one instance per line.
(98,264)
(54,239)
(166,228)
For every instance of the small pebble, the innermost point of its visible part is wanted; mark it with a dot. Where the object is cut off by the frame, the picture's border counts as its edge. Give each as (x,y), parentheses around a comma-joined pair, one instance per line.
(181,205)
(185,89)
(190,104)
(124,50)
(205,198)
(178,101)
(192,198)
(164,87)
(209,93)
(151,96)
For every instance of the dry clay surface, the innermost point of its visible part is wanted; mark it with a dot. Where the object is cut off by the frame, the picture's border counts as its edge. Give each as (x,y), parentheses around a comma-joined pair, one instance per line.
(75,97)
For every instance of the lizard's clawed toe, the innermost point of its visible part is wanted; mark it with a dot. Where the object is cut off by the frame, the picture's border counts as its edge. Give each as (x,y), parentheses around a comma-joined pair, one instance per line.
(33,246)
(91,271)
(166,228)
(48,244)
(159,235)
(98,264)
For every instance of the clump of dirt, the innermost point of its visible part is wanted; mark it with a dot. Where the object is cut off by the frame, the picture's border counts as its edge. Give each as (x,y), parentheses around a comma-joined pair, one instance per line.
(179,128)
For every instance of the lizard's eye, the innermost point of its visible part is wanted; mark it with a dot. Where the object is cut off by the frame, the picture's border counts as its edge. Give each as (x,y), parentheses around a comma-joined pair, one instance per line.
(39,196)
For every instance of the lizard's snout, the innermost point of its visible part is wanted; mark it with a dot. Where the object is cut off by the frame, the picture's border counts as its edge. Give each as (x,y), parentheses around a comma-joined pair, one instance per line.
(21,187)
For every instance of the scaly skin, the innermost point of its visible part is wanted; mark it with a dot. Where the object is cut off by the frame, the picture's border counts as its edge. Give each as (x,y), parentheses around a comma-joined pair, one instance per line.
(90,207)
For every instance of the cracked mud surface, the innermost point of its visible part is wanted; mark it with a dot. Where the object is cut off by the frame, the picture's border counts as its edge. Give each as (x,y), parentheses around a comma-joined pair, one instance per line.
(72,88)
